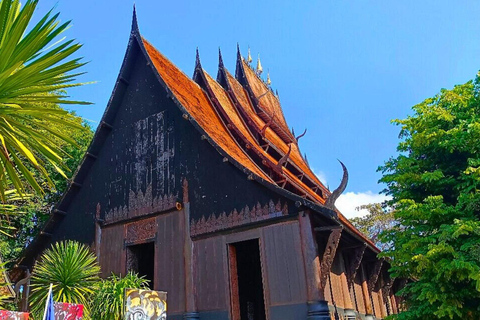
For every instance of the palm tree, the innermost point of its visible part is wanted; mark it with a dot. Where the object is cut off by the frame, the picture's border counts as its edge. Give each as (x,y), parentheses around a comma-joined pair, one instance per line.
(35,71)
(72,269)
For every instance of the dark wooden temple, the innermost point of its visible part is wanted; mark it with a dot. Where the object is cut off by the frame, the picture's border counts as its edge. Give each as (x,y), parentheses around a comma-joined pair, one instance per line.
(199,185)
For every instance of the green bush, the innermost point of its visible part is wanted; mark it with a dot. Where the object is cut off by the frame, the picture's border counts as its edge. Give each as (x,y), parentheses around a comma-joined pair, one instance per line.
(107,303)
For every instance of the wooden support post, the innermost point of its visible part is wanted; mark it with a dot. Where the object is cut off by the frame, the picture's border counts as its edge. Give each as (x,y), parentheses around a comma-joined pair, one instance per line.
(386,289)
(365,293)
(348,305)
(190,286)
(317,306)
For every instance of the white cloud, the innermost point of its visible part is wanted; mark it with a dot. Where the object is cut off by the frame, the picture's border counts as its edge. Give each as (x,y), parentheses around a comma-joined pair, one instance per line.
(347,202)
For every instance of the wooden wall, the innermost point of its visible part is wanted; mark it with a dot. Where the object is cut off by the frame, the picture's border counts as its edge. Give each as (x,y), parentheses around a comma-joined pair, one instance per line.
(112,252)
(169,259)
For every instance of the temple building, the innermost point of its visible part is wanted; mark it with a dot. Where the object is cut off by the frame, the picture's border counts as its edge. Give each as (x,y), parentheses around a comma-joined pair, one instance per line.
(199,185)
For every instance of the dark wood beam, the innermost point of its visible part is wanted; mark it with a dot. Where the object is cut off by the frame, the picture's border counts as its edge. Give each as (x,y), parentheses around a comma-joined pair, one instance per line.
(106,125)
(59,212)
(329,255)
(327,228)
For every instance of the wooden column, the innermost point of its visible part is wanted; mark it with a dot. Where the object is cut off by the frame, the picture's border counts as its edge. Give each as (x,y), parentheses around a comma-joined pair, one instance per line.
(311,259)
(373,278)
(365,293)
(317,306)
(189,259)
(348,304)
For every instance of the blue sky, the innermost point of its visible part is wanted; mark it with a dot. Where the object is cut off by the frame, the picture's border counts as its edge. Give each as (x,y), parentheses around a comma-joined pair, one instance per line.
(343,69)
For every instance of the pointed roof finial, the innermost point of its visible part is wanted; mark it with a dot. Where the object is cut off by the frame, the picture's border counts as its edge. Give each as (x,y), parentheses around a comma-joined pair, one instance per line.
(197,58)
(276,93)
(134,19)
(220,58)
(239,55)
(259,66)
(269,82)
(249,58)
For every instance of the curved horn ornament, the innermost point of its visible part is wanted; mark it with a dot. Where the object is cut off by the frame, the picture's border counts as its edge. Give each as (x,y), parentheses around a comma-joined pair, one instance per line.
(330,203)
(297,138)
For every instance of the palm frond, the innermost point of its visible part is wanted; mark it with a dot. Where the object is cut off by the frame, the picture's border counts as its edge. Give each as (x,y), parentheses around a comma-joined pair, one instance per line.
(35,70)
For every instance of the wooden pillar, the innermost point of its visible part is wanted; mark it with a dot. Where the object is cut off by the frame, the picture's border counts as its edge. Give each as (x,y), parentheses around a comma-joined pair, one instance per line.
(365,293)
(189,260)
(373,277)
(317,306)
(355,262)
(348,305)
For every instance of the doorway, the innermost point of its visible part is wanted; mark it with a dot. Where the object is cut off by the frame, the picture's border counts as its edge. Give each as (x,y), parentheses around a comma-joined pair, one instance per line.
(246,281)
(141,260)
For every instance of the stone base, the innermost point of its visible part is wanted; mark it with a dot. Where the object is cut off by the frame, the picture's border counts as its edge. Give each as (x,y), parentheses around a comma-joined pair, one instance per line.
(349,314)
(369,317)
(318,310)
(191,316)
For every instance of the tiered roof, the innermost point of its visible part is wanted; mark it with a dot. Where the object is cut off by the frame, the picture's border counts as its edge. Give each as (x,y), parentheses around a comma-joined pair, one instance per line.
(240,123)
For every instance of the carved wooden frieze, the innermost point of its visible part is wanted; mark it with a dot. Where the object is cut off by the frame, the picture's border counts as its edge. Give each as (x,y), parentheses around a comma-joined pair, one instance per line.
(141,204)
(372,281)
(237,218)
(141,230)
(329,255)
(355,264)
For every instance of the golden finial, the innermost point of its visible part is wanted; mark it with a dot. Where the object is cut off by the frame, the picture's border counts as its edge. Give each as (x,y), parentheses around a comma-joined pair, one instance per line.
(249,58)
(259,66)
(269,82)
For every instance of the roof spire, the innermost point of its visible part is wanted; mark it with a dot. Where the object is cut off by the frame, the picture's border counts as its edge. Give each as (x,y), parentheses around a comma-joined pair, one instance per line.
(220,58)
(197,58)
(259,66)
(276,93)
(134,20)
(249,58)
(269,82)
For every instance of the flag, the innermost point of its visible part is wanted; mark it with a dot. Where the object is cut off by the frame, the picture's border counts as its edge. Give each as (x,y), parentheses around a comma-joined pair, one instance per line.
(49,306)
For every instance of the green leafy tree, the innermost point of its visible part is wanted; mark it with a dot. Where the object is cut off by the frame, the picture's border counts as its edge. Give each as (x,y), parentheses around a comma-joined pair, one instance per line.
(107,304)
(35,71)
(379,219)
(72,269)
(26,215)
(434,182)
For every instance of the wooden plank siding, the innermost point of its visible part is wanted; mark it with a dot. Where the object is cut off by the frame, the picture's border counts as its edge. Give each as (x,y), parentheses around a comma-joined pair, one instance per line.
(283,264)
(169,259)
(211,280)
(112,251)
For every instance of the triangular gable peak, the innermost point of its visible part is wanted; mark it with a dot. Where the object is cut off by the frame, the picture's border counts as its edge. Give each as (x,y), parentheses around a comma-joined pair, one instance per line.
(265,102)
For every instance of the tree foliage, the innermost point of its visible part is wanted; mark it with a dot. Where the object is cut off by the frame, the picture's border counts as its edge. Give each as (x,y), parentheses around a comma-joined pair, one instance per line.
(72,269)
(379,219)
(434,182)
(35,71)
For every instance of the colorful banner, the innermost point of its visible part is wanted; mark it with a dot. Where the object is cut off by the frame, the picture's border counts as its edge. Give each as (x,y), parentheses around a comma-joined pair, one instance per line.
(145,305)
(68,311)
(11,315)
